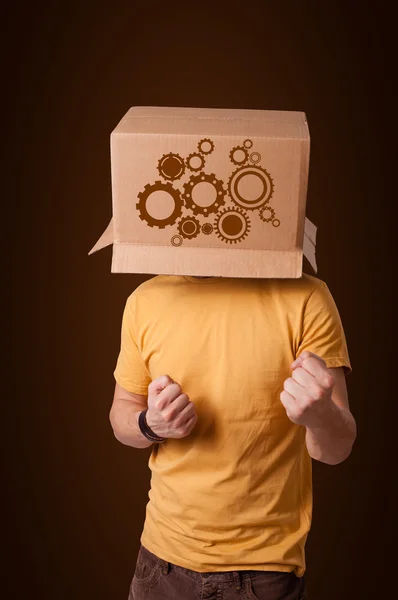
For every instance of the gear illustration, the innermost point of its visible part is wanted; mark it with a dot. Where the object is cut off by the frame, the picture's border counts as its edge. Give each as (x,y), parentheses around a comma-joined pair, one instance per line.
(232,225)
(205,146)
(207,228)
(248,143)
(195,159)
(189,227)
(150,189)
(195,181)
(171,166)
(242,182)
(255,157)
(276,222)
(176,240)
(239,155)
(267,217)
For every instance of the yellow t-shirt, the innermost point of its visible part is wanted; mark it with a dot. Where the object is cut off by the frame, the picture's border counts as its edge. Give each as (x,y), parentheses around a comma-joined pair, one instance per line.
(236,493)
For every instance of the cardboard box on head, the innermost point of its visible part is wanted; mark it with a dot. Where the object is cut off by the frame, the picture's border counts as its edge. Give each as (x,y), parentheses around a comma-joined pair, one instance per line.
(210,192)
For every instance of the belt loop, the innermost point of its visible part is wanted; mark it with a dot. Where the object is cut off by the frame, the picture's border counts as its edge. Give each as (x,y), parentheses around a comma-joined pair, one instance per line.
(166,567)
(237,580)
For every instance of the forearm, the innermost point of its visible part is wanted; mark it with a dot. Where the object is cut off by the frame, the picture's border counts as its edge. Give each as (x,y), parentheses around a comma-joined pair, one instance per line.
(331,442)
(126,429)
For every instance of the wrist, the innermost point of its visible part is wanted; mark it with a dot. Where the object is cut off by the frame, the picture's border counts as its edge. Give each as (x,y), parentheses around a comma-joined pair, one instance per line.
(149,421)
(327,420)
(146,429)
(130,433)
(144,442)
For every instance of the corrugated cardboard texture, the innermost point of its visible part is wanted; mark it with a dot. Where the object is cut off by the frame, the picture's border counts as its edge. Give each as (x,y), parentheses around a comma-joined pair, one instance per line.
(208,192)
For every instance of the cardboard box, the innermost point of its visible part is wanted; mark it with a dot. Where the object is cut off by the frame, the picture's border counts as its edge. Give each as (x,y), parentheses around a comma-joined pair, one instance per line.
(207,191)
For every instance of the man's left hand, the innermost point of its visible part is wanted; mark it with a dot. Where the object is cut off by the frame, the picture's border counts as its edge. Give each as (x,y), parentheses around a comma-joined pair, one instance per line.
(307,395)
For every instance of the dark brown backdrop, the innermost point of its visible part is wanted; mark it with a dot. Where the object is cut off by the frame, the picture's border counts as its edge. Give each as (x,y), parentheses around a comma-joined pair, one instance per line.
(77,496)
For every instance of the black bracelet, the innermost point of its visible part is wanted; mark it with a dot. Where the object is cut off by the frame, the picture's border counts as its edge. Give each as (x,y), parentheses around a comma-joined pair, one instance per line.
(146,430)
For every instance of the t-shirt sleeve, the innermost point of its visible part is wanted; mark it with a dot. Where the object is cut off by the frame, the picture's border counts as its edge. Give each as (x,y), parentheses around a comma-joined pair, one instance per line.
(131,372)
(322,330)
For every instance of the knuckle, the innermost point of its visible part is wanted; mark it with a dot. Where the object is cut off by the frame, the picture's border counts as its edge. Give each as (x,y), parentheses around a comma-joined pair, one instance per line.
(179,421)
(317,393)
(186,428)
(189,411)
(159,405)
(176,387)
(329,381)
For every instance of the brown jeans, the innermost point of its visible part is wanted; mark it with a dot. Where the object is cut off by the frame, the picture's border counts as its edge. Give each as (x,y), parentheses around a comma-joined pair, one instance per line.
(157,579)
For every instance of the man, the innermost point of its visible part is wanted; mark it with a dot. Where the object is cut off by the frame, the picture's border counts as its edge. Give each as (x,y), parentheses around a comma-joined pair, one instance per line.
(245,381)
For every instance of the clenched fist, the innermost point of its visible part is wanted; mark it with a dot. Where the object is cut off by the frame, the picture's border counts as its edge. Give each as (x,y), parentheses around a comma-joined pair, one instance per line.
(307,395)
(170,412)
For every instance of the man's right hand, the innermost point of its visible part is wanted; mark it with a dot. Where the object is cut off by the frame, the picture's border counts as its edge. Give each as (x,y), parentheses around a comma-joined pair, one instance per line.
(170,412)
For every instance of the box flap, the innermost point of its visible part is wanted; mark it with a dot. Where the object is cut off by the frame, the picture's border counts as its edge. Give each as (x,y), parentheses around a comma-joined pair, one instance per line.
(152,120)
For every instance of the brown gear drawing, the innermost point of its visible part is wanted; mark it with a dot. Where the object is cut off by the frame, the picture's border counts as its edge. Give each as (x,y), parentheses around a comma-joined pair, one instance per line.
(195,156)
(271,214)
(207,228)
(255,157)
(147,192)
(176,240)
(171,166)
(239,155)
(205,146)
(243,173)
(189,227)
(232,225)
(189,188)
(248,144)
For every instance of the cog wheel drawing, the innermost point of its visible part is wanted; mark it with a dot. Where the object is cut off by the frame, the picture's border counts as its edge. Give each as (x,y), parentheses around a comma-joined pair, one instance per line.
(248,143)
(189,227)
(267,218)
(207,228)
(238,155)
(195,158)
(176,240)
(232,225)
(150,189)
(171,166)
(205,146)
(250,187)
(195,181)
(255,157)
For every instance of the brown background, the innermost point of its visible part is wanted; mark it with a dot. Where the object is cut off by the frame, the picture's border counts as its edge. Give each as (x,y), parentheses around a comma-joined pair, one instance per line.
(75,496)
